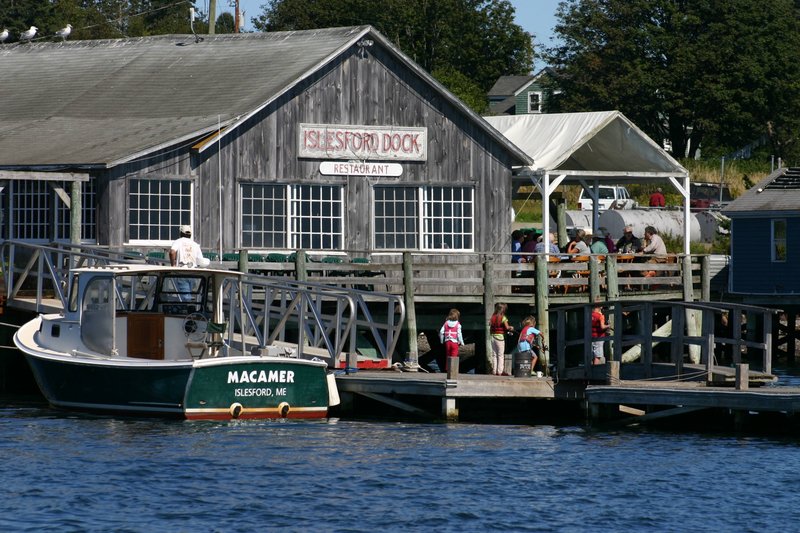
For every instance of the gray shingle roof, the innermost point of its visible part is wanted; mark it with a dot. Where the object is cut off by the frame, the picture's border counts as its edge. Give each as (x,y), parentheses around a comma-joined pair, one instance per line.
(508,85)
(770,199)
(93,102)
(100,103)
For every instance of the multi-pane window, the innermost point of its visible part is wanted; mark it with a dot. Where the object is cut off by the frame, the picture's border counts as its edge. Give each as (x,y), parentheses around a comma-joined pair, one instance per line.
(396,217)
(88,213)
(264,216)
(156,208)
(36,211)
(316,217)
(439,218)
(31,205)
(779,239)
(534,102)
(292,216)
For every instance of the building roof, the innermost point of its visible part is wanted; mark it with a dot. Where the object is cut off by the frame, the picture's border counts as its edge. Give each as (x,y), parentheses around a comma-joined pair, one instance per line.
(600,144)
(777,193)
(102,103)
(509,85)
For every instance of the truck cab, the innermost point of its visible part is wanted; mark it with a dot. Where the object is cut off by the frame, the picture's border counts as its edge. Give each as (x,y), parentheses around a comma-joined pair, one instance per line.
(609,197)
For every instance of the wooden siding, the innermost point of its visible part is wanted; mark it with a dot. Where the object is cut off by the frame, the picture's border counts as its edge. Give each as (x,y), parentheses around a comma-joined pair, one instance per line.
(752,270)
(376,90)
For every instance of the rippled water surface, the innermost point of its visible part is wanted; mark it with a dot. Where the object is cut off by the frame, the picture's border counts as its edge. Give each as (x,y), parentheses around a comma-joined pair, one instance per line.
(74,473)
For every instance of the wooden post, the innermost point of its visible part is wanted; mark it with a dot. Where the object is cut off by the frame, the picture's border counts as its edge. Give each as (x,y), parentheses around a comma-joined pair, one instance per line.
(300,266)
(768,343)
(594,279)
(612,278)
(613,372)
(742,376)
(243,264)
(561,221)
(686,270)
(449,409)
(705,278)
(488,308)
(411,313)
(543,309)
(75,209)
(452,367)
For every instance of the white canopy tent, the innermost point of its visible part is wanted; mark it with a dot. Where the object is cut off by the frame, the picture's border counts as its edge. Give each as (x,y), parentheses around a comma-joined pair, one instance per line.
(590,149)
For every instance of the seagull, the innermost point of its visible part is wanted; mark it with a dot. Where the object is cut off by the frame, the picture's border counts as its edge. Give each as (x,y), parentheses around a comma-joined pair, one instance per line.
(3,35)
(64,32)
(28,34)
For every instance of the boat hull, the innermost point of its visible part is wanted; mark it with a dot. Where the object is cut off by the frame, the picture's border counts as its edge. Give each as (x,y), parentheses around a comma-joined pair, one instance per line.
(243,387)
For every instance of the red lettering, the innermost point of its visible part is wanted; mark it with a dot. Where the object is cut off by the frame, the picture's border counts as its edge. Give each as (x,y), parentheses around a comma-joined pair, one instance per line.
(415,143)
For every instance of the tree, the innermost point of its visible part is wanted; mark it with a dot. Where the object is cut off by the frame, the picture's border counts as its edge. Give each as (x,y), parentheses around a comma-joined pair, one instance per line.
(691,71)
(97,19)
(469,42)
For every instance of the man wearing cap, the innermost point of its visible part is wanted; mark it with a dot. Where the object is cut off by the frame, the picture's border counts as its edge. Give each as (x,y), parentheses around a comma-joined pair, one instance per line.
(186,252)
(657,199)
(629,243)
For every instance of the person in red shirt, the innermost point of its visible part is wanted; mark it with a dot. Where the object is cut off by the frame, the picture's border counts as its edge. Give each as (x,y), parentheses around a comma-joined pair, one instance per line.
(599,329)
(657,199)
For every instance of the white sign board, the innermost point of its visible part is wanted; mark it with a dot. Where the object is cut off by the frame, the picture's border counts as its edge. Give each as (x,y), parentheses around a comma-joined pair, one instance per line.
(335,141)
(359,168)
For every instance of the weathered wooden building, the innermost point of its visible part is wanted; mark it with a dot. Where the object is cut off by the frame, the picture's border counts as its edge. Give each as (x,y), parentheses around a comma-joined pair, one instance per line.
(322,140)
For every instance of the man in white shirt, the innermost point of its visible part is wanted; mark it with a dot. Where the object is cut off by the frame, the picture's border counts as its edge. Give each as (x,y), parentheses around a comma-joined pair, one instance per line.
(186,252)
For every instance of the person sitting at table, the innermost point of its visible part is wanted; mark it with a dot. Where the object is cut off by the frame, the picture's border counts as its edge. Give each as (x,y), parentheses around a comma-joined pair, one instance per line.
(655,246)
(517,237)
(551,247)
(612,247)
(629,243)
(578,245)
(599,243)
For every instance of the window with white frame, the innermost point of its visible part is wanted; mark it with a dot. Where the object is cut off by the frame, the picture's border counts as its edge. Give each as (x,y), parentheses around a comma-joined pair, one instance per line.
(36,211)
(779,240)
(292,216)
(534,102)
(316,217)
(439,218)
(396,218)
(88,213)
(156,208)
(264,220)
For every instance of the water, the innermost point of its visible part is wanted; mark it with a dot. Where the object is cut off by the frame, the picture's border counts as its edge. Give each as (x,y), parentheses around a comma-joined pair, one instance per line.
(65,472)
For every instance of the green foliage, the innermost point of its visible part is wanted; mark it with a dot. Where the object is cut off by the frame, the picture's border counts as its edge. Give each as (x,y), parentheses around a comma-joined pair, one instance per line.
(98,19)
(717,72)
(477,38)
(458,84)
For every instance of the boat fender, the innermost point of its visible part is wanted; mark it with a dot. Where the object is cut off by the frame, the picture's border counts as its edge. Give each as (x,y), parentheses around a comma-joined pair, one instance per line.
(283,409)
(236,409)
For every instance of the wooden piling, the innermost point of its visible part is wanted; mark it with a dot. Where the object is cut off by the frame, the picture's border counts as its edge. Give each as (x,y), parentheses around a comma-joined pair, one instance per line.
(488,308)
(542,310)
(300,266)
(742,376)
(411,314)
(243,261)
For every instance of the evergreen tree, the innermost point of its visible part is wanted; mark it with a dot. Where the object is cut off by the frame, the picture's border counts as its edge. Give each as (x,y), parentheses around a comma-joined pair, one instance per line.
(470,43)
(716,72)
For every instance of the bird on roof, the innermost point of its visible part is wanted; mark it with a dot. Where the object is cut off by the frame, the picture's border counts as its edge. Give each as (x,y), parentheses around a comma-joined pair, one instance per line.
(64,32)
(3,35)
(28,34)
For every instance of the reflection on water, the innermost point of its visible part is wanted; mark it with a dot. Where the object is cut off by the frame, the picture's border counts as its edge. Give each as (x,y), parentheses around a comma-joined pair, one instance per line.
(68,472)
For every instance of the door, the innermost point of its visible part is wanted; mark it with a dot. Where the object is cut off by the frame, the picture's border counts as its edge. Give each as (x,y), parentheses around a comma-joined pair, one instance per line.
(146,335)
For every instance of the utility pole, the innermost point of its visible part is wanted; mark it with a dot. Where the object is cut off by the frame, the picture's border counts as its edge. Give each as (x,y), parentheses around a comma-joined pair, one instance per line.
(212,16)
(236,19)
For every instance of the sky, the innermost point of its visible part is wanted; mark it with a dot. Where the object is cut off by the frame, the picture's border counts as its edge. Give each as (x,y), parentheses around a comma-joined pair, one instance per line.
(535,16)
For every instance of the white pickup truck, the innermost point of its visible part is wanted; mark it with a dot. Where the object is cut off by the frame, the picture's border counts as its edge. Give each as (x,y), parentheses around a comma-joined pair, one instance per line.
(610,197)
